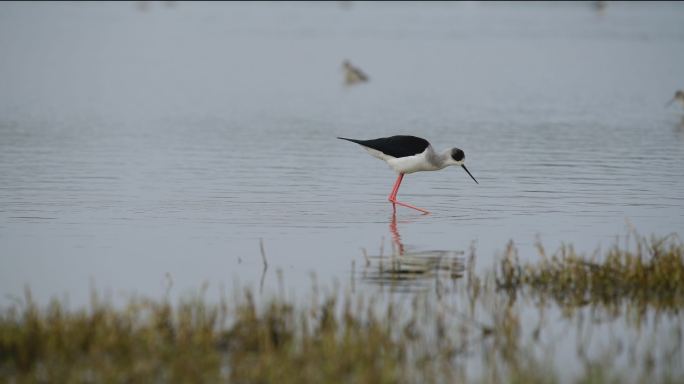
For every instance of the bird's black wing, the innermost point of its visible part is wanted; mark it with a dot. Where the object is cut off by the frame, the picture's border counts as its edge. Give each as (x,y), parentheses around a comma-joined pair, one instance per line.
(395,146)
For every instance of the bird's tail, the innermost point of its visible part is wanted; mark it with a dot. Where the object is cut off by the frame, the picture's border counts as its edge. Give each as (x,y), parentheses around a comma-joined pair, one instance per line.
(352,140)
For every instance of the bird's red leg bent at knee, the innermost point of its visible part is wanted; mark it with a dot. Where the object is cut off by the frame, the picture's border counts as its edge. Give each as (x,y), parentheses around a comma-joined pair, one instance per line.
(411,206)
(393,195)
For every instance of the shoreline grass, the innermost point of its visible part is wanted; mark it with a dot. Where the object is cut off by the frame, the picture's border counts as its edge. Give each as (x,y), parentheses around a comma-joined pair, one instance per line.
(648,273)
(342,337)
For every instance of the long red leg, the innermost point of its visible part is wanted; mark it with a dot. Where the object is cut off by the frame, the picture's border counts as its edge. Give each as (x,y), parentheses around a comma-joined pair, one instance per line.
(412,207)
(393,196)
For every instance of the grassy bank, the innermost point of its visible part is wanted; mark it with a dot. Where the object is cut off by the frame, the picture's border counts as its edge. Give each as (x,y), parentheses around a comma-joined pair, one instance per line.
(471,332)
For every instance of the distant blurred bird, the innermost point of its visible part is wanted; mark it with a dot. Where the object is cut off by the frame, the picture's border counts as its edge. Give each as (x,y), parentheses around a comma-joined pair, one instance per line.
(600,6)
(344,4)
(352,74)
(144,6)
(409,154)
(679,96)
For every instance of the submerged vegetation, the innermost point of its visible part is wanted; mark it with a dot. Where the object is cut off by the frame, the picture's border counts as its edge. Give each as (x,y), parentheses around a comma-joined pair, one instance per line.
(471,327)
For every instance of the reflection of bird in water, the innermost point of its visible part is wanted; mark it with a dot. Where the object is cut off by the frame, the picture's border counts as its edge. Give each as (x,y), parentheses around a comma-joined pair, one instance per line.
(679,96)
(352,74)
(396,237)
(413,269)
(408,154)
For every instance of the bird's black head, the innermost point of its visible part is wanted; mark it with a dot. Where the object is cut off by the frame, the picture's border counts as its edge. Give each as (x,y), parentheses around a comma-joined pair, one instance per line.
(457,154)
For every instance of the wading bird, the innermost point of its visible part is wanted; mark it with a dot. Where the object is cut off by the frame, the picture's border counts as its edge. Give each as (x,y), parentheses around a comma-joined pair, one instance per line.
(679,96)
(353,75)
(408,154)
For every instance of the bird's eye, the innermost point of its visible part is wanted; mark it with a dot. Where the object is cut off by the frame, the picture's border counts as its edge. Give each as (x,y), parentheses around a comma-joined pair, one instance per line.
(457,155)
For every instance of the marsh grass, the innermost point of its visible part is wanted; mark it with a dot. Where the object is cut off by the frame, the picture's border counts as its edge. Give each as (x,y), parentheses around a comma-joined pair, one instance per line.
(649,273)
(473,332)
(148,341)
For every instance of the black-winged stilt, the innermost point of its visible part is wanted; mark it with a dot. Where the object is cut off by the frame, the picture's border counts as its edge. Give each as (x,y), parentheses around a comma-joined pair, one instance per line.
(352,74)
(408,154)
(679,96)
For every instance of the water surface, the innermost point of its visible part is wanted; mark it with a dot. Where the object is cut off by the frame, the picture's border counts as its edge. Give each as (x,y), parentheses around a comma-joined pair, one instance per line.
(139,144)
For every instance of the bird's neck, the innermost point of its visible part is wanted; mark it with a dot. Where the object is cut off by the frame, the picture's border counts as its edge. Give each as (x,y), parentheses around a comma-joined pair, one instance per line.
(439,160)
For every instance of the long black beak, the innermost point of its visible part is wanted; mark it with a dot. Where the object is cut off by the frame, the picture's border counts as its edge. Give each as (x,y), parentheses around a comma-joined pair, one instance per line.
(466,169)
(670,102)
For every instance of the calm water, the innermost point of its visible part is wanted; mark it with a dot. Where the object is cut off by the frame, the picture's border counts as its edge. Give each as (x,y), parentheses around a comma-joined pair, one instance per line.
(136,144)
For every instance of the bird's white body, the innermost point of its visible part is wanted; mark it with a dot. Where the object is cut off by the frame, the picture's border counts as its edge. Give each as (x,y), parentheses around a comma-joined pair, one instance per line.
(428,160)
